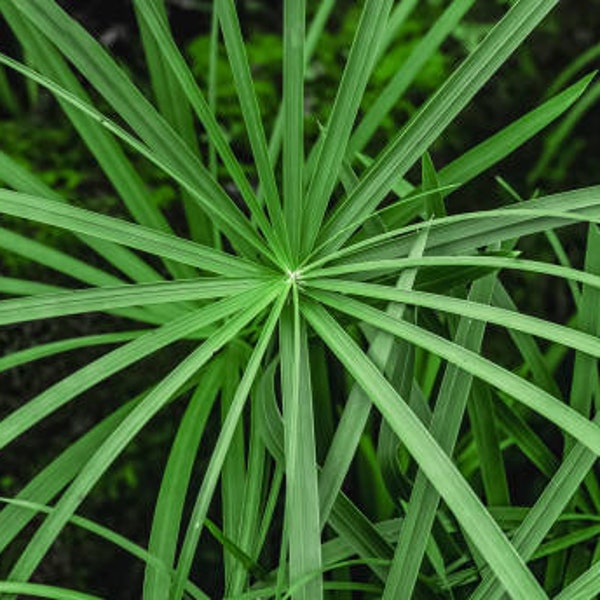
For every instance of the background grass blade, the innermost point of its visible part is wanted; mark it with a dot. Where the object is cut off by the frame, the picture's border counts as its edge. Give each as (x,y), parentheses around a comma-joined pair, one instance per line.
(228,428)
(171,497)
(445,424)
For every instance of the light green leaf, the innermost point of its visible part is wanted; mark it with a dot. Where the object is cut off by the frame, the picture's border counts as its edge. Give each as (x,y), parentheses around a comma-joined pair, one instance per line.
(332,144)
(100,369)
(149,406)
(293,115)
(528,394)
(402,152)
(407,72)
(481,528)
(492,262)
(108,298)
(445,425)
(240,69)
(579,340)
(40,351)
(39,590)
(122,232)
(302,498)
(103,73)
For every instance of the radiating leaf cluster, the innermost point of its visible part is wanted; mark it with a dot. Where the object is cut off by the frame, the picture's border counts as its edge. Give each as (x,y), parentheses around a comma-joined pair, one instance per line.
(343,418)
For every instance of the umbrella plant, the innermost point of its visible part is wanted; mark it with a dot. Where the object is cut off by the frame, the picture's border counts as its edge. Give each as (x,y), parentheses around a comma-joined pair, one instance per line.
(335,316)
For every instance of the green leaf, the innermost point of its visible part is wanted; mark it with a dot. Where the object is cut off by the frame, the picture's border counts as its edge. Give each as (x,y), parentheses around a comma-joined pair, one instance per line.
(528,394)
(100,369)
(104,533)
(233,472)
(175,481)
(302,498)
(585,368)
(486,154)
(108,298)
(70,266)
(564,484)
(293,115)
(107,151)
(168,93)
(40,351)
(252,510)
(158,27)
(445,425)
(589,344)
(585,587)
(228,428)
(489,152)
(411,143)
(43,591)
(555,141)
(124,433)
(466,232)
(313,34)
(50,480)
(525,438)
(102,72)
(15,176)
(357,409)
(122,232)
(332,144)
(434,201)
(240,69)
(345,518)
(407,72)
(534,359)
(451,262)
(481,528)
(483,421)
